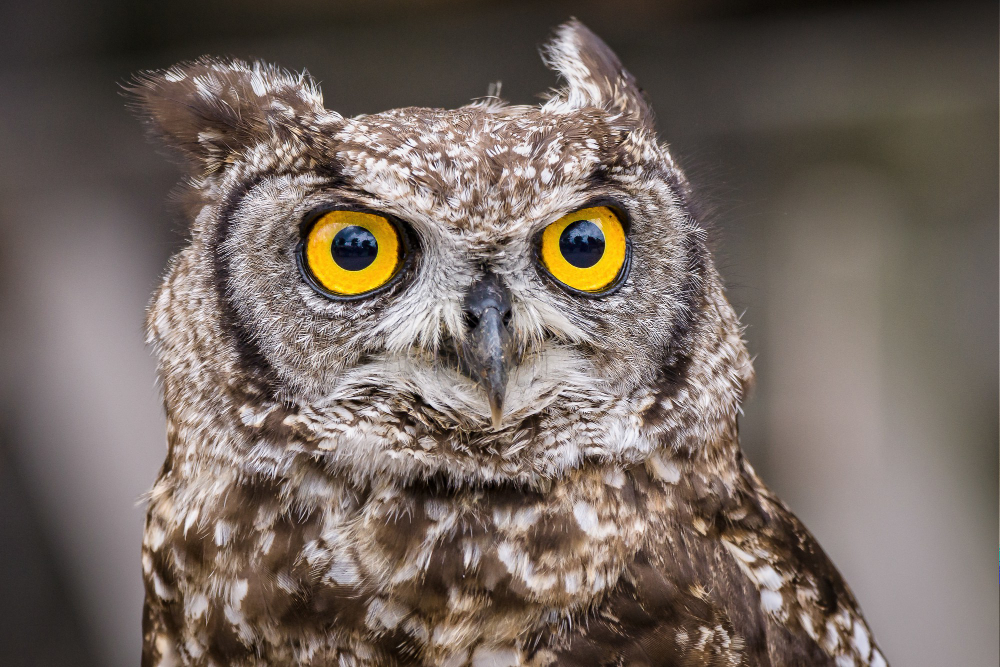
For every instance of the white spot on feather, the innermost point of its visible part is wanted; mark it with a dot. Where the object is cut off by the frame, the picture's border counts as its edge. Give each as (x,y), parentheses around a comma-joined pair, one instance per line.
(195,605)
(161,589)
(382,612)
(495,657)
(168,654)
(155,536)
(768,577)
(861,640)
(343,571)
(666,471)
(742,556)
(222,532)
(586,517)
(770,601)
(807,624)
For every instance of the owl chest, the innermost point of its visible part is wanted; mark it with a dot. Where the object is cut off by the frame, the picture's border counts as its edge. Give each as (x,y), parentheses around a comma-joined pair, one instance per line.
(408,568)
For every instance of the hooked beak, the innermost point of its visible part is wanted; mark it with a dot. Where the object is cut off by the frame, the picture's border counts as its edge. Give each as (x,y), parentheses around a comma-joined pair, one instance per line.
(487,353)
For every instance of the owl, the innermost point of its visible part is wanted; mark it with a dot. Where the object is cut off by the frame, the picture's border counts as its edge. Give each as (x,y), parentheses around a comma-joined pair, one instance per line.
(458,388)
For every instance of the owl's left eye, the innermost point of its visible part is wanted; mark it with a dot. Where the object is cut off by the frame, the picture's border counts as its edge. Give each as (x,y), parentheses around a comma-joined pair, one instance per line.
(586,251)
(350,253)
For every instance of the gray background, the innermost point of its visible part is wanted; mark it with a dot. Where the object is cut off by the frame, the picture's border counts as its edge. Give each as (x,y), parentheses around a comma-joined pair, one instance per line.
(847,152)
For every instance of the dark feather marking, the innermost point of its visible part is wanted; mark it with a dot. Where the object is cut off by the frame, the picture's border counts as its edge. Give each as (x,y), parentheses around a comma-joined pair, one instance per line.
(251,359)
(677,353)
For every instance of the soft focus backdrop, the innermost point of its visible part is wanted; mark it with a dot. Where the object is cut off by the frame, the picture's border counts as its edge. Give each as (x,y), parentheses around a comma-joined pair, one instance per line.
(848,152)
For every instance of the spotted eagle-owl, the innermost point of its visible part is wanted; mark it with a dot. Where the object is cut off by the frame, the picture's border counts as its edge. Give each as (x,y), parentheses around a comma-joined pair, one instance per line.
(457,387)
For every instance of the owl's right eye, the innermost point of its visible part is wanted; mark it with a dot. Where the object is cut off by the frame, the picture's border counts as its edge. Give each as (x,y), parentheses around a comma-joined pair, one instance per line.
(350,253)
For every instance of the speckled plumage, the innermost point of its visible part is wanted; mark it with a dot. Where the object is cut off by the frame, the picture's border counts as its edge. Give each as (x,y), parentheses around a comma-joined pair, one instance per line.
(334,492)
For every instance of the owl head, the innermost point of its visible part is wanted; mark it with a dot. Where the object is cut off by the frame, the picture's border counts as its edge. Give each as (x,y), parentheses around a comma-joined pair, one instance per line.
(494,292)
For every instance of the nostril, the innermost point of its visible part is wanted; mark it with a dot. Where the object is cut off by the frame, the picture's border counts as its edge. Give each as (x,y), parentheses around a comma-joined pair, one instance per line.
(488,293)
(472,318)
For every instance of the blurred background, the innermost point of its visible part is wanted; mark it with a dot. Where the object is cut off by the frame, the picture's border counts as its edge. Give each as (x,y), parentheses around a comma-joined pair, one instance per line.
(847,153)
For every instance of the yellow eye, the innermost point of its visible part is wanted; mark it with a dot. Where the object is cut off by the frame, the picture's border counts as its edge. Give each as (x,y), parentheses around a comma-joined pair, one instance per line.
(348,253)
(585,250)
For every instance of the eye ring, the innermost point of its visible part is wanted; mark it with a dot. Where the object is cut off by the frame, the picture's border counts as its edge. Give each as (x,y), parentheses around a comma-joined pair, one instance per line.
(613,213)
(402,237)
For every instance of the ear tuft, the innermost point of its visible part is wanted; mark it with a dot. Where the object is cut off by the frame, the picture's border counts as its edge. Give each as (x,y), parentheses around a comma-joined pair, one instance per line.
(210,109)
(594,76)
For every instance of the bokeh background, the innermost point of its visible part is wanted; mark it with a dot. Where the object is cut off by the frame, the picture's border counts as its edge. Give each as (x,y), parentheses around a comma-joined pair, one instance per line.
(847,152)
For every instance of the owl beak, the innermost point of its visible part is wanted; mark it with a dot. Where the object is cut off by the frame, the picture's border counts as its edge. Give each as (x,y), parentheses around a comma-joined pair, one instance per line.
(487,353)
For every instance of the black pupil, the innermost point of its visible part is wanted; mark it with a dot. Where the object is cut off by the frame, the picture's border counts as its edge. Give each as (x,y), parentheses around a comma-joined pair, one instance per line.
(582,244)
(354,248)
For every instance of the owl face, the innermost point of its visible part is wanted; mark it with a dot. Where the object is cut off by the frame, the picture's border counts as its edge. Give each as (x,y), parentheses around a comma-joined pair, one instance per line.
(469,194)
(460,277)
